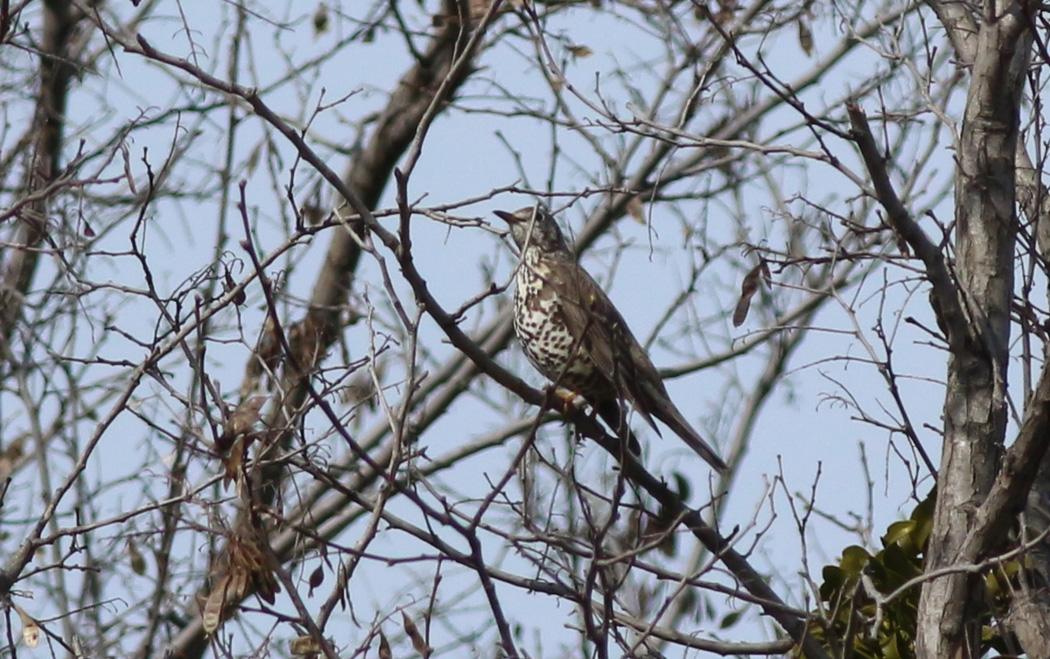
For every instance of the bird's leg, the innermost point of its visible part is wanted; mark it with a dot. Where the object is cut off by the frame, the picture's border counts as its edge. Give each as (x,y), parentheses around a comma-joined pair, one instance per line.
(565,399)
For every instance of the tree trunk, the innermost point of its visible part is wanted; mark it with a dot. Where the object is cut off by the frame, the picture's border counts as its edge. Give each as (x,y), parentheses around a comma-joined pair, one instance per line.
(975,411)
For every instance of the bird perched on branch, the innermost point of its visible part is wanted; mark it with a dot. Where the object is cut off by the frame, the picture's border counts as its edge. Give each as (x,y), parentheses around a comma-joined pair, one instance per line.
(575,337)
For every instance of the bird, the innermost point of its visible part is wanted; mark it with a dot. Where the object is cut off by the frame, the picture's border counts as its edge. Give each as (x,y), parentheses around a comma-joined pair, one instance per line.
(572,333)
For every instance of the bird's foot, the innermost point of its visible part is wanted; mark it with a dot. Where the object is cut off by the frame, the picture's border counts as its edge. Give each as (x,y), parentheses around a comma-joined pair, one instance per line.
(565,400)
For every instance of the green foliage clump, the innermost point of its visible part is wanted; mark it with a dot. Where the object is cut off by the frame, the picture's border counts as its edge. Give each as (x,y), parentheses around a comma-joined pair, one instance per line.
(869,610)
(857,626)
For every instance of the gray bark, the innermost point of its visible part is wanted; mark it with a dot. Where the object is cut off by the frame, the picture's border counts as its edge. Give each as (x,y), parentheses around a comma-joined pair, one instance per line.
(975,412)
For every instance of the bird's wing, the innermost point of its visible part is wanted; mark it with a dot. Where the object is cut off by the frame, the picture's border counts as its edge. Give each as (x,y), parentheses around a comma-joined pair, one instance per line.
(604,336)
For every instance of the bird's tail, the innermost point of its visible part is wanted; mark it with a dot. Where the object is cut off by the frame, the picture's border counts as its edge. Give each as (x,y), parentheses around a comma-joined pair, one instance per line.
(614,415)
(681,427)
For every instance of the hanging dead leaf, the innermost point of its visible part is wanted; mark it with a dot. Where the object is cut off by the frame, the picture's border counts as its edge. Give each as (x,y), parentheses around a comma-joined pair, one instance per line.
(126,155)
(635,209)
(316,579)
(724,14)
(579,51)
(247,570)
(138,562)
(228,284)
(253,158)
(233,465)
(10,456)
(312,213)
(305,646)
(360,389)
(320,20)
(805,37)
(30,627)
(240,421)
(15,449)
(478,9)
(255,561)
(237,586)
(212,615)
(266,585)
(31,634)
(384,647)
(747,291)
(417,639)
(246,415)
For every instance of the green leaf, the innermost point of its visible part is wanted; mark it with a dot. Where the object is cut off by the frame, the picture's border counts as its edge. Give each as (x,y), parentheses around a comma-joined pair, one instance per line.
(854,558)
(899,531)
(730,619)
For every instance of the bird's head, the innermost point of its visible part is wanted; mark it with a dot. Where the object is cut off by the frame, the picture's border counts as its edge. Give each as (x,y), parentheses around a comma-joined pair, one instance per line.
(536,227)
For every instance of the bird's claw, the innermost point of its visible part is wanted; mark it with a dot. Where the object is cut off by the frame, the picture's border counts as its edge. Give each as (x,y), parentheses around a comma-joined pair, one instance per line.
(565,400)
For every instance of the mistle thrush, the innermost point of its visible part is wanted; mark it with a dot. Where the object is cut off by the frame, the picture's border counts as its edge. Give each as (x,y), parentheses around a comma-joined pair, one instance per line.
(575,337)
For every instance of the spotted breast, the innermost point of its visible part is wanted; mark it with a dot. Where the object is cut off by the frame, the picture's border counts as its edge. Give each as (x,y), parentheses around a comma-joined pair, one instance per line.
(541,326)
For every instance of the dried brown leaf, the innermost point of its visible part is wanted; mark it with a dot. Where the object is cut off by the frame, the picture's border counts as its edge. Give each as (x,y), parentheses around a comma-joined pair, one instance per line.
(316,579)
(478,9)
(266,586)
(418,641)
(30,627)
(579,51)
(253,159)
(635,209)
(245,416)
(361,388)
(313,213)
(250,565)
(126,154)
(747,291)
(726,11)
(15,450)
(31,634)
(228,284)
(320,20)
(10,456)
(138,562)
(805,37)
(384,647)
(233,464)
(239,422)
(214,605)
(305,645)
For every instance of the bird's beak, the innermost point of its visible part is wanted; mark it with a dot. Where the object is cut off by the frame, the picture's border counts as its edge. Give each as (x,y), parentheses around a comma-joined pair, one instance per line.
(509,218)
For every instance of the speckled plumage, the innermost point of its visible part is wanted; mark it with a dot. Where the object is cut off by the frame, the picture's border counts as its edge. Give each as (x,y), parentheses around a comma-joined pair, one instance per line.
(571,332)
